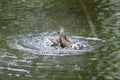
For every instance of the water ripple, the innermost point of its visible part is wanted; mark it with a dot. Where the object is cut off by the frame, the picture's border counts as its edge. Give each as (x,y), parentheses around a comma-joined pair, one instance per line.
(37,44)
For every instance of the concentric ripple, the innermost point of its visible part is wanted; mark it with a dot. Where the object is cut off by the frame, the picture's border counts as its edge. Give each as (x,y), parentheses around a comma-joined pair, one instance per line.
(38,44)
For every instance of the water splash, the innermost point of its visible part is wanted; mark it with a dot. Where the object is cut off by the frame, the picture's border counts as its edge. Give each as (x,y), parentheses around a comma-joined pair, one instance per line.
(37,44)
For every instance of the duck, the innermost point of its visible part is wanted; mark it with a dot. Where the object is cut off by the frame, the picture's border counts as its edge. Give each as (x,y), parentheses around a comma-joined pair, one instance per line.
(64,42)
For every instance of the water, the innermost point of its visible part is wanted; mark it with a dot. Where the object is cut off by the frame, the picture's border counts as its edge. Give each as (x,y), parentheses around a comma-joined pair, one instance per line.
(26,25)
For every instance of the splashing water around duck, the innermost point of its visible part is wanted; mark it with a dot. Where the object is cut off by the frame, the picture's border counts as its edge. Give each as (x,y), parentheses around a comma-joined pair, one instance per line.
(47,43)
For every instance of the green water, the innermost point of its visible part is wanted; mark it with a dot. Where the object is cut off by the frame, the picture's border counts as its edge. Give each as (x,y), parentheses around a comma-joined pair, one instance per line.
(25,25)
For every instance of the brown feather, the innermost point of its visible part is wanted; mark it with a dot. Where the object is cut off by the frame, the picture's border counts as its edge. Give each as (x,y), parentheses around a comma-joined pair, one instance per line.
(64,41)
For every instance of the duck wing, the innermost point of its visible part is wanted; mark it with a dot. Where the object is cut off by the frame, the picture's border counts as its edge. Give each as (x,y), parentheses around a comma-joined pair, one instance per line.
(54,42)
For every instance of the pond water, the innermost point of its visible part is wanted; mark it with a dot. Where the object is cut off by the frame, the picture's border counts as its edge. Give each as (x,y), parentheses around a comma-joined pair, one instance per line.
(25,26)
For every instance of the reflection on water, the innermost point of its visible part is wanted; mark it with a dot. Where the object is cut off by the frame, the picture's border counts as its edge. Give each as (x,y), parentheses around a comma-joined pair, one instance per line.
(25,26)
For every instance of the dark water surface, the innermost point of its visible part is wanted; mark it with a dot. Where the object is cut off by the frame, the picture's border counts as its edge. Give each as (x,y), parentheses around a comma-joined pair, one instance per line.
(25,26)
